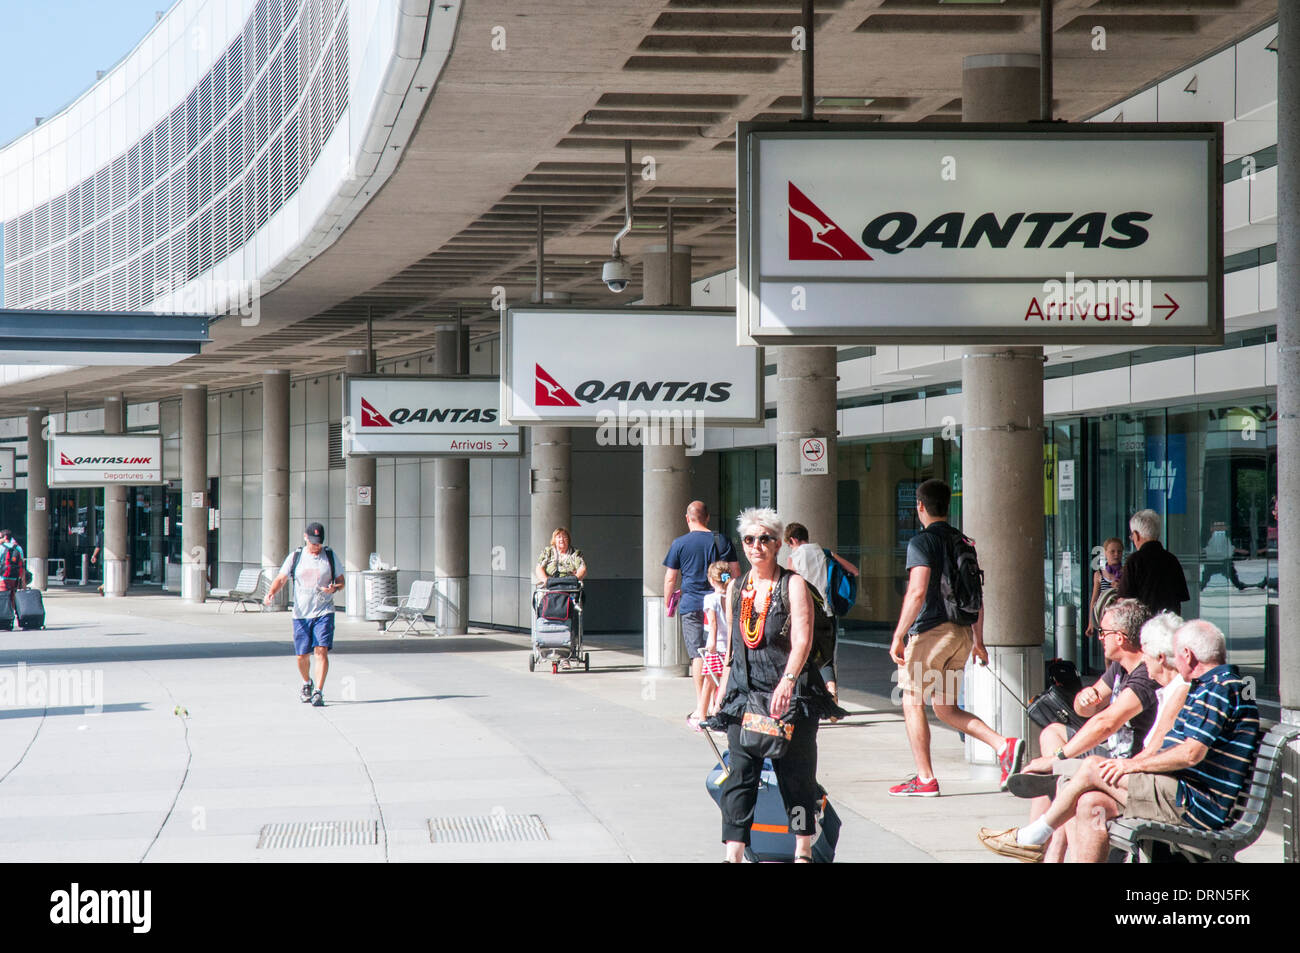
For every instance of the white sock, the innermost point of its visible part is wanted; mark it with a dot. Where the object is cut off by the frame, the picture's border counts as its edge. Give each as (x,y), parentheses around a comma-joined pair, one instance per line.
(1035,833)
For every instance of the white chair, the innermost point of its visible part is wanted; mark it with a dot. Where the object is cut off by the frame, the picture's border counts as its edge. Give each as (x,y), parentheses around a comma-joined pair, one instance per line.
(244,590)
(412,609)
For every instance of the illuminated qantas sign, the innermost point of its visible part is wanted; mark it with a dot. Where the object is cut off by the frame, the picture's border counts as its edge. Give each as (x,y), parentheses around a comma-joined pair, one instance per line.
(97,460)
(891,232)
(370,417)
(394,415)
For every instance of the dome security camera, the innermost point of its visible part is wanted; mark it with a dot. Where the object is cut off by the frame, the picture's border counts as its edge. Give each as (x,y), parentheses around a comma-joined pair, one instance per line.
(616,274)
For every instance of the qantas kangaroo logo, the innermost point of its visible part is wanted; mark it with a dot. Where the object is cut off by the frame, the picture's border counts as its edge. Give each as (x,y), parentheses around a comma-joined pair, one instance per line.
(64,461)
(814,237)
(549,393)
(371,417)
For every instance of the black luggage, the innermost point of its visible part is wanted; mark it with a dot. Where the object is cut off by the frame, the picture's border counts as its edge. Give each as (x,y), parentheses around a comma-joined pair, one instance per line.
(770,840)
(30,609)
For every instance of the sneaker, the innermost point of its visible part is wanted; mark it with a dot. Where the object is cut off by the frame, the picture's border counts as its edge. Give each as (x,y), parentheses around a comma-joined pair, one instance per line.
(1033,785)
(1004,843)
(1011,760)
(317,699)
(306,691)
(915,787)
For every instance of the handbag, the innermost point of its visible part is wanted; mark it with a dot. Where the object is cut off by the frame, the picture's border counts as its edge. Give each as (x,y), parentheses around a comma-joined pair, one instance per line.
(761,735)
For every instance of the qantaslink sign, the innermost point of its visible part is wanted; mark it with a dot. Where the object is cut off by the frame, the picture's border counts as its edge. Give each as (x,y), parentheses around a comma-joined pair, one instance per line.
(980,234)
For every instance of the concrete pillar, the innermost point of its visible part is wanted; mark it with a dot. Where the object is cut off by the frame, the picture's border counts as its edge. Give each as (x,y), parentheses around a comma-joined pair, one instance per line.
(38,498)
(665,484)
(805,408)
(360,518)
(551,499)
(1002,462)
(275,475)
(194,493)
(451,504)
(114,554)
(1288,402)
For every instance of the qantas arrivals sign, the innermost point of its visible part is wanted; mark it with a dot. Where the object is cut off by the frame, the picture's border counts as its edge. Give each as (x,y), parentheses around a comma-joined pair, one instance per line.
(101,460)
(575,366)
(387,415)
(925,234)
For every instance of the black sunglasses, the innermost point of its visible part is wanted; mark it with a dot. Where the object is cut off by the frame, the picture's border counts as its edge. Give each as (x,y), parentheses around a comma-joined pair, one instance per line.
(763,540)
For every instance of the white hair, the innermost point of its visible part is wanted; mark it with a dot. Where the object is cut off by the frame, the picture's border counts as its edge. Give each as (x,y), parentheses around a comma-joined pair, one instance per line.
(1146,523)
(760,517)
(1158,636)
(1204,639)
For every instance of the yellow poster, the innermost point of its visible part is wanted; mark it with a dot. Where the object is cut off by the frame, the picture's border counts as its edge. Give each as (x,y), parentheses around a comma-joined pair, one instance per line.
(1049,479)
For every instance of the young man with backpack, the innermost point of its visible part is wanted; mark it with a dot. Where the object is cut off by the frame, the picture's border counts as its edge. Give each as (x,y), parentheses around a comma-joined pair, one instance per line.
(942,620)
(13,576)
(317,575)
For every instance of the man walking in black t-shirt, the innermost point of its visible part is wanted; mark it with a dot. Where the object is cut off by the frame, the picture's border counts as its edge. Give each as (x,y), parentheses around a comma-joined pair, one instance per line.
(930,667)
(1152,575)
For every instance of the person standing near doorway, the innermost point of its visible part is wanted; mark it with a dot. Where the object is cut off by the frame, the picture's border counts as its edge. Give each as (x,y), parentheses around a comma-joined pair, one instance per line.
(316,576)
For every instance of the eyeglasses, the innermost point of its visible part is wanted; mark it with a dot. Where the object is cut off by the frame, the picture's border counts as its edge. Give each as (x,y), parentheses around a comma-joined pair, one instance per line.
(1102,633)
(763,540)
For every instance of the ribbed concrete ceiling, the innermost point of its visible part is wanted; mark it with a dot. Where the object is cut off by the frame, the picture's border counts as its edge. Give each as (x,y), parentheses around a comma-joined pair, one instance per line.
(542,123)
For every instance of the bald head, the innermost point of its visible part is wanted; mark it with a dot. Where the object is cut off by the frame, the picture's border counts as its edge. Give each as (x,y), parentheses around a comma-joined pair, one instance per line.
(697,513)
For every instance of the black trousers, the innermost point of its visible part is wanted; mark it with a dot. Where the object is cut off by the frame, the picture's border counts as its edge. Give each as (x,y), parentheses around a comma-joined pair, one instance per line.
(796,778)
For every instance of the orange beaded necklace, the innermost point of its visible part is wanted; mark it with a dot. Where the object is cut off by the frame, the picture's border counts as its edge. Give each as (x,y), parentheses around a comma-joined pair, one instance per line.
(752,632)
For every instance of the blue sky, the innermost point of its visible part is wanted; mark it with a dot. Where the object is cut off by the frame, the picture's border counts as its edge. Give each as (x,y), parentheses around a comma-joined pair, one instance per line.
(51,51)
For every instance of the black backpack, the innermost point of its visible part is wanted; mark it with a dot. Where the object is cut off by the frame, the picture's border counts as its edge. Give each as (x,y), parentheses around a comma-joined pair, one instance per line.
(961,585)
(328,554)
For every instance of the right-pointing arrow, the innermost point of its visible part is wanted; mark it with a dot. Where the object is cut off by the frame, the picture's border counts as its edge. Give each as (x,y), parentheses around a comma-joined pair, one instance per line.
(1172,306)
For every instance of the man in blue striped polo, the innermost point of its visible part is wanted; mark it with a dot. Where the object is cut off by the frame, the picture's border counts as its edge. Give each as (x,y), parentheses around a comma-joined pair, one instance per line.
(1193,780)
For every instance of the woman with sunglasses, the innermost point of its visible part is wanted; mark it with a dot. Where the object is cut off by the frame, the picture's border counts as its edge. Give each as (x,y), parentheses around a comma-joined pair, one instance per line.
(770,615)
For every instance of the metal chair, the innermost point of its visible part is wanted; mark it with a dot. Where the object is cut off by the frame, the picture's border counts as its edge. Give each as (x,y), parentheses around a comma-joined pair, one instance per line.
(244,589)
(412,609)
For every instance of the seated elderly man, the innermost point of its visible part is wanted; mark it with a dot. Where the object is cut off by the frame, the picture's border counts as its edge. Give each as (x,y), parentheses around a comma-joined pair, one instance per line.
(1120,710)
(1193,779)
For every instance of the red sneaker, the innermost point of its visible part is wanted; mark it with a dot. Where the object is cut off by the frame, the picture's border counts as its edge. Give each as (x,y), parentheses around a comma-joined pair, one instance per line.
(915,787)
(1011,760)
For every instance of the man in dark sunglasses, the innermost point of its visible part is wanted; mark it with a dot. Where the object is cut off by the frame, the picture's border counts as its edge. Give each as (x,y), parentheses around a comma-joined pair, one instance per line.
(687,562)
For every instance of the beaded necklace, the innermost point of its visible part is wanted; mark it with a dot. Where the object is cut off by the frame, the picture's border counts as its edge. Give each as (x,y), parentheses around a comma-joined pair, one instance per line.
(752,633)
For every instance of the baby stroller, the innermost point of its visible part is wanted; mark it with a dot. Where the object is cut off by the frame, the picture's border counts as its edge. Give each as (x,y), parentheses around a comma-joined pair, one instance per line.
(557,625)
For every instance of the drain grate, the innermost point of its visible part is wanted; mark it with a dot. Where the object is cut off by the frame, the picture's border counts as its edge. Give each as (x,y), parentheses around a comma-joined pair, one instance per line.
(319,834)
(486,828)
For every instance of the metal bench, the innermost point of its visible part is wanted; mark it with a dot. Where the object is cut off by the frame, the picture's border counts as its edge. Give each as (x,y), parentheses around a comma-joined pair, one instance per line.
(412,609)
(1136,837)
(249,587)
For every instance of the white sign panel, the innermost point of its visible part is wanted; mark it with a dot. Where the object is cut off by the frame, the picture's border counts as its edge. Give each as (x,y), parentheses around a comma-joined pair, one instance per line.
(196,500)
(1068,234)
(812,456)
(386,415)
(8,468)
(38,503)
(106,459)
(363,496)
(642,365)
(1065,480)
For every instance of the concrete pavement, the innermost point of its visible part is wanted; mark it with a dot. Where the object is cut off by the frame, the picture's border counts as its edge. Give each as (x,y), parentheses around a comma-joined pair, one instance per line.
(201,742)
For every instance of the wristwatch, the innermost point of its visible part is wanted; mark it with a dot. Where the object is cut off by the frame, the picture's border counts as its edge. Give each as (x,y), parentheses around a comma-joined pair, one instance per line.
(793,678)
(1060,754)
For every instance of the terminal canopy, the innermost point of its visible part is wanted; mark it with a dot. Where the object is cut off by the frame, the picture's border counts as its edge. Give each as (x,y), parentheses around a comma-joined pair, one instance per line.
(99,337)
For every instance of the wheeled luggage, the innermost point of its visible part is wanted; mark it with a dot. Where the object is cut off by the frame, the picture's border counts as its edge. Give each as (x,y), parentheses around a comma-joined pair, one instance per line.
(770,840)
(30,609)
(557,625)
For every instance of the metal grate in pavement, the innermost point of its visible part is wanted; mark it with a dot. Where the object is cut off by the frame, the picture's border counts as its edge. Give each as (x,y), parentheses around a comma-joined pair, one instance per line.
(487,828)
(319,834)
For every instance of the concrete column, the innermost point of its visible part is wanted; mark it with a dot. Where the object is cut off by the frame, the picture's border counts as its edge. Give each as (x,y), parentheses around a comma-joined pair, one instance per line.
(665,484)
(114,554)
(451,504)
(38,499)
(805,408)
(551,500)
(275,475)
(194,490)
(1002,462)
(360,519)
(1288,401)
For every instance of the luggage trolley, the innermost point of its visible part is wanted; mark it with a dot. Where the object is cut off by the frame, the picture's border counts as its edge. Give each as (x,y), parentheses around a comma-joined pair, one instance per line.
(557,625)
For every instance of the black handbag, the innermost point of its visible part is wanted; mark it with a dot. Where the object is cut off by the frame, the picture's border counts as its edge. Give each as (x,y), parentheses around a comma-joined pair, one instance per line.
(761,735)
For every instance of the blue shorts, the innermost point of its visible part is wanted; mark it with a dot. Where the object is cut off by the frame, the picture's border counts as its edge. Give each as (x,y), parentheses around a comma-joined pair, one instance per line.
(308,633)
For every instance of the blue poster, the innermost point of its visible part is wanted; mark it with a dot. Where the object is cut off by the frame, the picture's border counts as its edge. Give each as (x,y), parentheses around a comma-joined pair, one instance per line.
(1167,474)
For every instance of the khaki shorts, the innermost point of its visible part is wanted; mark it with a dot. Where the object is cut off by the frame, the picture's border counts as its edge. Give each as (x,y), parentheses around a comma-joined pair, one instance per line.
(1153,797)
(934,660)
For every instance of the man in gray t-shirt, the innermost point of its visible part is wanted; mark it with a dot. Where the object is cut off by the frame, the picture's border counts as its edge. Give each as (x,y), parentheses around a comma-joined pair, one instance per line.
(316,577)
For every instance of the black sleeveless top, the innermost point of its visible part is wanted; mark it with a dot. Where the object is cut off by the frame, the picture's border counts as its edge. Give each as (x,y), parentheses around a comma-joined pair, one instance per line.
(761,669)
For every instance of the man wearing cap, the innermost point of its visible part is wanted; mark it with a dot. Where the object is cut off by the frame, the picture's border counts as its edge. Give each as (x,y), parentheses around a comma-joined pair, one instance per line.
(316,577)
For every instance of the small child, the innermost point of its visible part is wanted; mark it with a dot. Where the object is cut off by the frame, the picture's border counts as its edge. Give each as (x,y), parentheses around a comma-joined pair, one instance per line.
(715,624)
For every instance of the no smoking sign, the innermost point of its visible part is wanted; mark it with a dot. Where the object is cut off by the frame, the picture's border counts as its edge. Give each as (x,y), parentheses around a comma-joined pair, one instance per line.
(812,456)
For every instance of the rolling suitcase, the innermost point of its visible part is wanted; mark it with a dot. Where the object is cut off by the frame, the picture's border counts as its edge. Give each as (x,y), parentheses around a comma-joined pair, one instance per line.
(770,840)
(30,608)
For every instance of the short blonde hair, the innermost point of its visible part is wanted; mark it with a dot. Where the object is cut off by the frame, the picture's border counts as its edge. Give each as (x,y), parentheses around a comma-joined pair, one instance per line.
(561,531)
(716,570)
(762,517)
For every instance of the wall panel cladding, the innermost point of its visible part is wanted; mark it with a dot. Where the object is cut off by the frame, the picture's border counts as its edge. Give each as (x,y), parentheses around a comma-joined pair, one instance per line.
(243,139)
